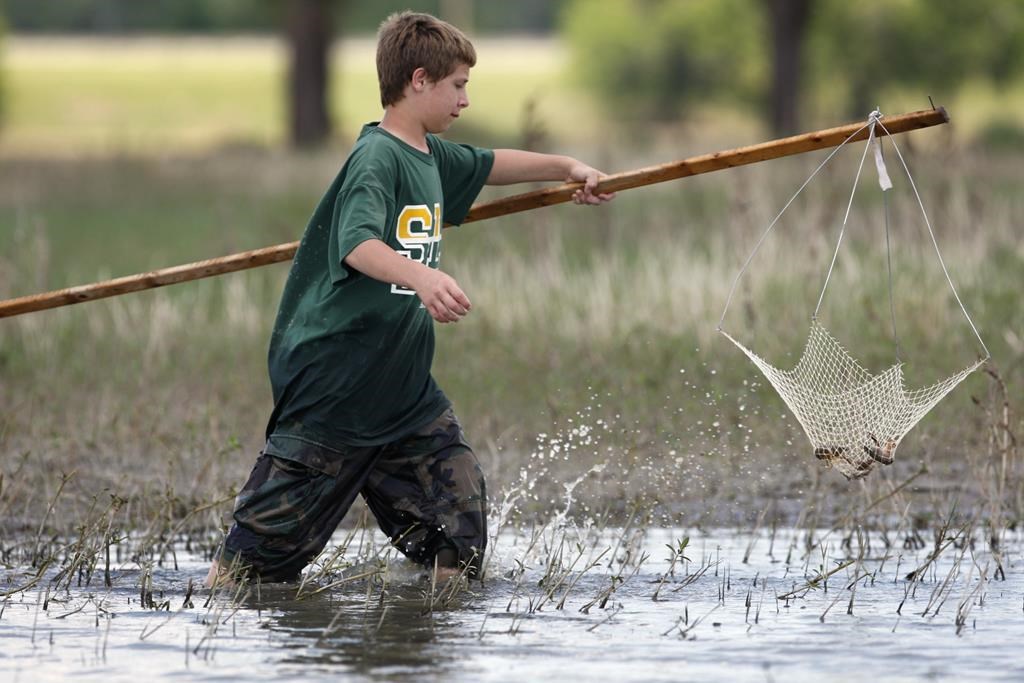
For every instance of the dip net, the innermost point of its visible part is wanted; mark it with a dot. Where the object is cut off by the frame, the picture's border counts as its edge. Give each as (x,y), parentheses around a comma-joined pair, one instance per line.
(853,418)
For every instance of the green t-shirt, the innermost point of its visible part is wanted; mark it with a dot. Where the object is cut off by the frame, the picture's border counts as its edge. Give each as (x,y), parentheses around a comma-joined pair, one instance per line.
(350,356)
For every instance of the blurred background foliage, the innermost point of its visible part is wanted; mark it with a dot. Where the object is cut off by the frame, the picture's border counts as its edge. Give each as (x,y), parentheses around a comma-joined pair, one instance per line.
(230,16)
(933,45)
(785,63)
(3,30)
(654,58)
(650,59)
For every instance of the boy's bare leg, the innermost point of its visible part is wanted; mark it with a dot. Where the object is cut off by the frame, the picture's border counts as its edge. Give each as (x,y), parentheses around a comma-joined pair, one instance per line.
(442,574)
(213,574)
(217,576)
(446,565)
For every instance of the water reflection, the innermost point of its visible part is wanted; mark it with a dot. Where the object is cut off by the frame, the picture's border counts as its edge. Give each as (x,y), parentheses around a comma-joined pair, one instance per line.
(370,629)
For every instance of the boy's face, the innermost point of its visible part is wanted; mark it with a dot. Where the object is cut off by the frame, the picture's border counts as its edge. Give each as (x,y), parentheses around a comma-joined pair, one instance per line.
(443,100)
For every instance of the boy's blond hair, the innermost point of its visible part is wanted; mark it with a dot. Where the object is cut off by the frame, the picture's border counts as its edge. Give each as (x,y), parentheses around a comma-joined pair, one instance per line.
(407,41)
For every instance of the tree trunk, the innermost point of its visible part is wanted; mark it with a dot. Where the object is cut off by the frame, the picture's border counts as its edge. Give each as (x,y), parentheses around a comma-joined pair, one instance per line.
(459,13)
(309,42)
(788,21)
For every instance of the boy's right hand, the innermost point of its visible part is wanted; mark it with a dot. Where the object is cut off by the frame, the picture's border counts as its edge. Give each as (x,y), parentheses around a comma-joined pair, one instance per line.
(441,295)
(438,291)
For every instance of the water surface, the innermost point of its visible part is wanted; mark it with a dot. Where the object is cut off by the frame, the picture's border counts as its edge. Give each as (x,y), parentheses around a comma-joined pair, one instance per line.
(556,603)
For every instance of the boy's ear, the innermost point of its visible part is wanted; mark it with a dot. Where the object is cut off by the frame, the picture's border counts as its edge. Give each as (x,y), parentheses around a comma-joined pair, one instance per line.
(419,79)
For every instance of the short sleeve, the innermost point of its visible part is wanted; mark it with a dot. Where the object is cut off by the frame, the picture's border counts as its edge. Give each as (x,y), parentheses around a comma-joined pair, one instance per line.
(464,170)
(360,214)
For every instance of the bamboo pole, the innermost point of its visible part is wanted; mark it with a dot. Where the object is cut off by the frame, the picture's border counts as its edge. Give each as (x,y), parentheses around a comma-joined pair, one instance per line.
(705,163)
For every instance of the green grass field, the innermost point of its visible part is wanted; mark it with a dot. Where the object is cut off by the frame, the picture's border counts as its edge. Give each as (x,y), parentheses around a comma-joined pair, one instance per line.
(102,96)
(150,95)
(593,329)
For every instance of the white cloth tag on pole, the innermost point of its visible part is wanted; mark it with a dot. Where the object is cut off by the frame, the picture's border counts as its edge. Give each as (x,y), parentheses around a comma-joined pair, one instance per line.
(883,174)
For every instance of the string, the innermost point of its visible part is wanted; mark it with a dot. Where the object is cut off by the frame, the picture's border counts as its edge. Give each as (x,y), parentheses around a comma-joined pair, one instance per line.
(846,216)
(935,242)
(888,257)
(764,235)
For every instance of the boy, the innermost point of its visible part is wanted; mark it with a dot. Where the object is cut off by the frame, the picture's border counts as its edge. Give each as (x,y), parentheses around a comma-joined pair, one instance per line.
(356,409)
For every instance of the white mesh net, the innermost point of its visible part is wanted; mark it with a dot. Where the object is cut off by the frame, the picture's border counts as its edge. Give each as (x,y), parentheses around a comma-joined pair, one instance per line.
(854,420)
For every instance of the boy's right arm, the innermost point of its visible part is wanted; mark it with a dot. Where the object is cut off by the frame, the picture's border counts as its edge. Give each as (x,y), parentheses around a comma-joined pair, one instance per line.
(438,291)
(520,166)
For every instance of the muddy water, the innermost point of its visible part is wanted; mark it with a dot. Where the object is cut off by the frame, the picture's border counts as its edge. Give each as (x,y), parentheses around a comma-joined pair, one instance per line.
(540,616)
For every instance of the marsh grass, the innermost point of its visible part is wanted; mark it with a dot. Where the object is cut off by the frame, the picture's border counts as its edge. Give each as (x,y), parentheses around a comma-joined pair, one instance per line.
(578,563)
(591,351)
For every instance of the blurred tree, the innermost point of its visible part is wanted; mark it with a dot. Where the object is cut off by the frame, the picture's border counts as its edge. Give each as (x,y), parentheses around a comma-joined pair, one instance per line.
(931,45)
(788,22)
(485,16)
(3,110)
(458,12)
(524,16)
(208,16)
(309,32)
(124,16)
(655,58)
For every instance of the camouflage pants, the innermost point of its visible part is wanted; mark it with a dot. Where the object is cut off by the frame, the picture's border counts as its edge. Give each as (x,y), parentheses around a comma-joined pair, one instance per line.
(426,491)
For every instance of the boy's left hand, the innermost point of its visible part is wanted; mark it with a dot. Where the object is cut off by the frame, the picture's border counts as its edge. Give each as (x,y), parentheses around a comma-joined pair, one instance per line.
(581,173)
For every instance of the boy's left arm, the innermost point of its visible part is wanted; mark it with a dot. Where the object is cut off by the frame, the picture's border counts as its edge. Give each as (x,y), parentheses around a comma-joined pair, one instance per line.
(519,166)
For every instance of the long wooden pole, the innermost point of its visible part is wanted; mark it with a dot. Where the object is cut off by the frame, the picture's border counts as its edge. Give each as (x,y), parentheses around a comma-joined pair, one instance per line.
(705,163)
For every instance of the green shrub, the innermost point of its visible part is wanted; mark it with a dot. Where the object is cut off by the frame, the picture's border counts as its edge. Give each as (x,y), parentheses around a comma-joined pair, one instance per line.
(1002,134)
(655,58)
(3,33)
